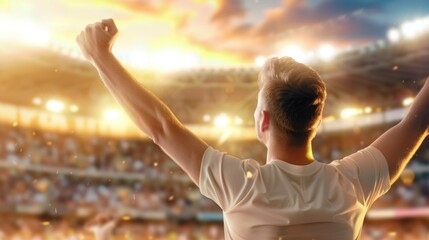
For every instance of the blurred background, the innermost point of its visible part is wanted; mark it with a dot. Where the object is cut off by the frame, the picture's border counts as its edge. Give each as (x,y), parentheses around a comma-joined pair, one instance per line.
(68,152)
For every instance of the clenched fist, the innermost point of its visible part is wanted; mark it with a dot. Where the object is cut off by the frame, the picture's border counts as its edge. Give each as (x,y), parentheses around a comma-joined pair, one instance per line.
(97,39)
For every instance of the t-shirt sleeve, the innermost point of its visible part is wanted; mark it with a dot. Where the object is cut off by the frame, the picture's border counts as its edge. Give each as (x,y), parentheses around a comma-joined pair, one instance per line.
(225,178)
(372,172)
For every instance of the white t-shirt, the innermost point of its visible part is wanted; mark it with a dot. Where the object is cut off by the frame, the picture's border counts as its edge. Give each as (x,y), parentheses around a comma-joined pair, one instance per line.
(285,201)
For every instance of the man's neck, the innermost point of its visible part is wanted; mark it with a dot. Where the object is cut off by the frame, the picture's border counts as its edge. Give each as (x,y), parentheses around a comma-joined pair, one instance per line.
(278,149)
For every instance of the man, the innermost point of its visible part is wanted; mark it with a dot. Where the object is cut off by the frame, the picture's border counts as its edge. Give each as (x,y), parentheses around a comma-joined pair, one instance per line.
(292,196)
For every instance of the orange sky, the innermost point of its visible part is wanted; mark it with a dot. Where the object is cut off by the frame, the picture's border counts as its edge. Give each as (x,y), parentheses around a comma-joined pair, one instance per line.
(208,32)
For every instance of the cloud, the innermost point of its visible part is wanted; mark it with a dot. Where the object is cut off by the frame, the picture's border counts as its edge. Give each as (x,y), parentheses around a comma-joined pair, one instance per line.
(337,22)
(295,16)
(227,10)
(145,6)
(242,50)
(328,8)
(355,30)
(182,22)
(341,23)
(240,29)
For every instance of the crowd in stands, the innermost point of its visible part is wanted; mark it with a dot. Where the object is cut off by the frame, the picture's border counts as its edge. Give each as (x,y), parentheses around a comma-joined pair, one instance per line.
(36,228)
(399,229)
(134,175)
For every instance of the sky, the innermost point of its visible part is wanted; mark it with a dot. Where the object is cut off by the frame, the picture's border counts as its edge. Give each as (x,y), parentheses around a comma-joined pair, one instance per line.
(213,32)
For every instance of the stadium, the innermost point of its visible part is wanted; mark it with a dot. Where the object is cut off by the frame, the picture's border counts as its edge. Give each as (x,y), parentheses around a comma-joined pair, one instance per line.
(68,152)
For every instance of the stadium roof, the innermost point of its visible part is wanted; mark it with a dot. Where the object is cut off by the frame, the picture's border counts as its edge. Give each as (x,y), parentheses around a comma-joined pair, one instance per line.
(378,76)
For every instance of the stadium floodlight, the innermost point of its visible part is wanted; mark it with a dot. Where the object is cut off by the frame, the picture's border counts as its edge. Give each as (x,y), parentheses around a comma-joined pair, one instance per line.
(421,25)
(65,51)
(407,101)
(190,60)
(350,112)
(412,29)
(171,60)
(294,52)
(111,114)
(394,35)
(238,121)
(138,58)
(327,52)
(426,23)
(206,118)
(409,30)
(74,108)
(75,54)
(37,101)
(39,36)
(21,30)
(310,55)
(55,106)
(367,110)
(6,27)
(260,60)
(222,120)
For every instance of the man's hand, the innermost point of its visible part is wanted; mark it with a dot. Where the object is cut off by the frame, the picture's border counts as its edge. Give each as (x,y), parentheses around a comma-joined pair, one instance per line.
(97,39)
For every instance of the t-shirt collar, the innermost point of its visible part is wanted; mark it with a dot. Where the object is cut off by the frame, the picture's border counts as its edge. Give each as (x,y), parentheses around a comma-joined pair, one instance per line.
(297,169)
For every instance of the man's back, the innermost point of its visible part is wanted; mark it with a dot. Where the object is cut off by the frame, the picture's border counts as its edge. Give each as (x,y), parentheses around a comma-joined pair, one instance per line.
(284,201)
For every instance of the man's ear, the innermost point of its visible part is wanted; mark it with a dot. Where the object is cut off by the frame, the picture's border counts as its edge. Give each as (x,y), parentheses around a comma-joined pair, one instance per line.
(265,121)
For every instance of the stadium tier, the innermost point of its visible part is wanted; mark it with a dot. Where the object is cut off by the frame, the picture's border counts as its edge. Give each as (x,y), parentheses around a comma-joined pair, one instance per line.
(58,179)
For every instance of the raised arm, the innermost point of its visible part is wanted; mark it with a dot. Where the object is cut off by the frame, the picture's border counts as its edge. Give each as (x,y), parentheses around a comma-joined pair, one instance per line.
(400,142)
(151,115)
